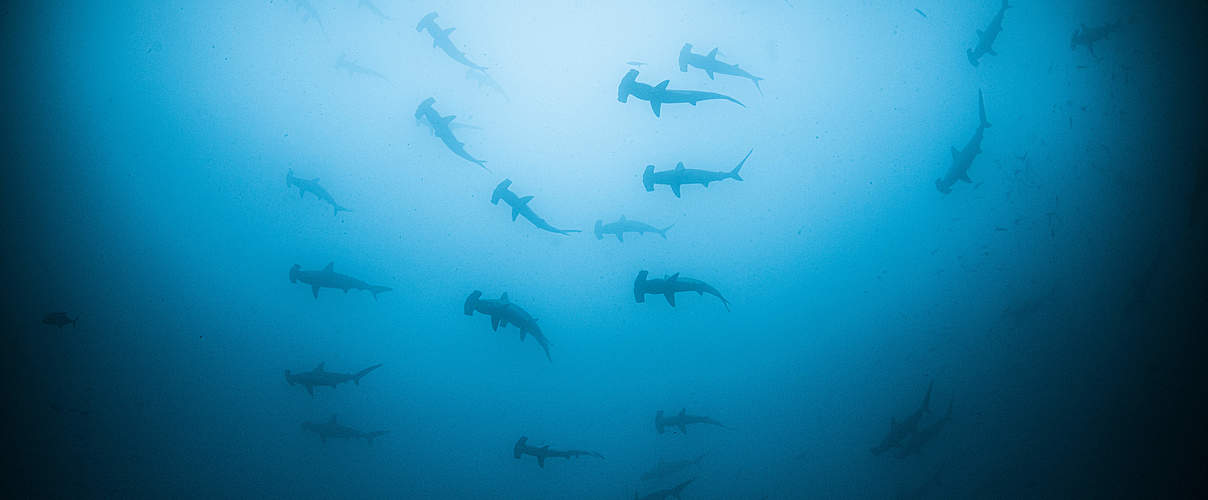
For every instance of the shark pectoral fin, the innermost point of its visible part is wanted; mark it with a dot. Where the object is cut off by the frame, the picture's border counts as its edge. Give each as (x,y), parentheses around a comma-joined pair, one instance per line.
(314,290)
(675,188)
(494,323)
(657,106)
(522,333)
(670,298)
(710,73)
(515,212)
(706,183)
(620,236)
(955,153)
(540,461)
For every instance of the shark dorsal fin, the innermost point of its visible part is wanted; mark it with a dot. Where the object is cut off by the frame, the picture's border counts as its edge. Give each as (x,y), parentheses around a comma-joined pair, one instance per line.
(504,297)
(679,166)
(524,200)
(333,419)
(673,278)
(329,267)
(684,410)
(622,217)
(713,54)
(663,85)
(320,367)
(446,32)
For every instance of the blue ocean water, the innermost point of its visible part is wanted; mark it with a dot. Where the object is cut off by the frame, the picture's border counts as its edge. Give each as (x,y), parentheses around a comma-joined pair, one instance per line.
(1048,301)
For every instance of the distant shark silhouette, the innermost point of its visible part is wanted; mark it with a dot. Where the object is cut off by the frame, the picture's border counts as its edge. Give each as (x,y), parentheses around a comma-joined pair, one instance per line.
(312,186)
(921,437)
(680,176)
(899,431)
(963,159)
(327,278)
(59,319)
(1088,36)
(332,429)
(671,468)
(623,225)
(669,286)
(353,69)
(440,39)
(681,421)
(711,65)
(985,39)
(660,94)
(522,448)
(663,494)
(520,207)
(319,377)
(502,311)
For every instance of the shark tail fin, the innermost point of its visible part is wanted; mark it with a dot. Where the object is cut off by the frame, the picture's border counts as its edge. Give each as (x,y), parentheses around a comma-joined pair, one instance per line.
(734,173)
(639,291)
(927,398)
(375,290)
(981,110)
(663,231)
(356,379)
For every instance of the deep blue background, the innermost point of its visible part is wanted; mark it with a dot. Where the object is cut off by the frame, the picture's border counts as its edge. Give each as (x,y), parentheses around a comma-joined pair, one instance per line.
(1058,300)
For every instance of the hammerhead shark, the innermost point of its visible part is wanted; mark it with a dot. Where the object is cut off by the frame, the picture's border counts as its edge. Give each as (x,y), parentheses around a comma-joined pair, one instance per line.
(502,311)
(354,69)
(666,469)
(680,176)
(522,448)
(899,431)
(326,278)
(681,421)
(320,377)
(59,319)
(923,436)
(309,12)
(665,493)
(331,429)
(623,225)
(1088,36)
(440,38)
(440,128)
(520,207)
(660,94)
(312,186)
(711,65)
(963,159)
(670,285)
(985,39)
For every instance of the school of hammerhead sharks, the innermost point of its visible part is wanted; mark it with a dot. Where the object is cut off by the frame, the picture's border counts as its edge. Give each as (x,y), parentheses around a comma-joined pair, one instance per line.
(906,436)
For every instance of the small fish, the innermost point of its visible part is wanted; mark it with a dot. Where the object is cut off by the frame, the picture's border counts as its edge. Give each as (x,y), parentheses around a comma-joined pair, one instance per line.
(921,13)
